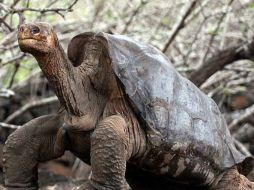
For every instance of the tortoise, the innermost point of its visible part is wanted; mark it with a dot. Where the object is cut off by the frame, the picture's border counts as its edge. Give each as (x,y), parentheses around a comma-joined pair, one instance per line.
(123,104)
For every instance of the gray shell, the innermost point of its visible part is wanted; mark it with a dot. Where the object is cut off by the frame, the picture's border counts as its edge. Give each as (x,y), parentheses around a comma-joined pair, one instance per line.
(174,109)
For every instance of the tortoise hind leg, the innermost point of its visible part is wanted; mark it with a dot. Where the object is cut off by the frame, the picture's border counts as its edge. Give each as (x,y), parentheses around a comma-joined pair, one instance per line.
(233,180)
(32,143)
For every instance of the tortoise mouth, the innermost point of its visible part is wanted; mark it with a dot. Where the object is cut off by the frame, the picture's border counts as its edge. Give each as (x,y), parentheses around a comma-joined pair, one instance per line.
(28,42)
(27,39)
(33,45)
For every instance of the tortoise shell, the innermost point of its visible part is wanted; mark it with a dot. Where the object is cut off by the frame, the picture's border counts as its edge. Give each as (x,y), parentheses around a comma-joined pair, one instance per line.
(173,109)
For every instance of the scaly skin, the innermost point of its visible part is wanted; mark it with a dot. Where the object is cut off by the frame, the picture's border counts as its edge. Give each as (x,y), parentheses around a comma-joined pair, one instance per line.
(109,143)
(232,180)
(98,126)
(29,145)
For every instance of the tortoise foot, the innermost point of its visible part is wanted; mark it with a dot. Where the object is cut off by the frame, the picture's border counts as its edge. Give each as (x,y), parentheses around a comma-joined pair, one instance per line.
(246,184)
(233,180)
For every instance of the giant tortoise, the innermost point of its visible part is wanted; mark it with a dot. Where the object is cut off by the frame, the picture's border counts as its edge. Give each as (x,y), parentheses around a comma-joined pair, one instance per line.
(123,103)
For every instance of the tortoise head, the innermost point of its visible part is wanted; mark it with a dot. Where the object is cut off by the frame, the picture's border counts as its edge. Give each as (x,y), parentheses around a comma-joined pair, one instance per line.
(37,38)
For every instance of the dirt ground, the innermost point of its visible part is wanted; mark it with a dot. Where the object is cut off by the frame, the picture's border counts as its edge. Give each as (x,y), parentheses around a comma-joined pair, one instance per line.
(138,181)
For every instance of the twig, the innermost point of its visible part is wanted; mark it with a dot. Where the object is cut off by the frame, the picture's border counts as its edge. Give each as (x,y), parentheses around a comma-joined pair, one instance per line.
(134,13)
(241,148)
(186,57)
(247,113)
(21,10)
(5,24)
(16,68)
(10,126)
(158,25)
(196,12)
(12,60)
(245,134)
(220,60)
(180,24)
(216,81)
(27,3)
(215,31)
(6,93)
(240,81)
(222,42)
(57,10)
(51,3)
(2,20)
(30,105)
(98,10)
(75,165)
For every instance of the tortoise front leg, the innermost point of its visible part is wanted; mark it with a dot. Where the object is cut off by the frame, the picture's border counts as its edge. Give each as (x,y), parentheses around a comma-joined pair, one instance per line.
(109,155)
(32,143)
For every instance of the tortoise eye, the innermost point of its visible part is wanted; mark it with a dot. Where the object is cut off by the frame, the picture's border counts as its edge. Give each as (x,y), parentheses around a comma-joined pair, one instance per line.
(35,30)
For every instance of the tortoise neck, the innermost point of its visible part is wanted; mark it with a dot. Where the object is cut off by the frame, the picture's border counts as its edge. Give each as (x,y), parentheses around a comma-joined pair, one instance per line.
(60,74)
(73,86)
(54,63)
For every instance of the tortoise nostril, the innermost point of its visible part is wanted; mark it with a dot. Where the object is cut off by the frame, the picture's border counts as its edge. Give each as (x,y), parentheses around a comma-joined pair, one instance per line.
(35,30)
(21,29)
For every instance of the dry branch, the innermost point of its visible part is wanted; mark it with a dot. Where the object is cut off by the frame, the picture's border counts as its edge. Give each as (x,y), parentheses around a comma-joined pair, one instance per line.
(197,11)
(69,8)
(17,65)
(5,24)
(6,93)
(245,134)
(247,113)
(220,60)
(14,59)
(9,126)
(180,24)
(242,148)
(30,105)
(46,10)
(134,13)
(215,31)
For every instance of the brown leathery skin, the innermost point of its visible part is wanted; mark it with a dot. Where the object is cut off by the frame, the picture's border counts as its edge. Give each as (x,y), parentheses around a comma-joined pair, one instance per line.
(78,142)
(72,85)
(26,147)
(90,93)
(72,88)
(233,180)
(109,154)
(115,139)
(99,124)
(118,105)
(36,38)
(186,163)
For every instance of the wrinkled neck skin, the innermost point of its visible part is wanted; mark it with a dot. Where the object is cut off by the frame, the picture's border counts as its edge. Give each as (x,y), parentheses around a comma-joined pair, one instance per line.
(75,88)
(90,92)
